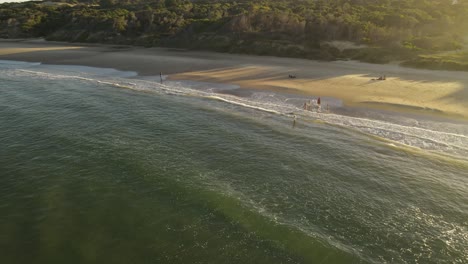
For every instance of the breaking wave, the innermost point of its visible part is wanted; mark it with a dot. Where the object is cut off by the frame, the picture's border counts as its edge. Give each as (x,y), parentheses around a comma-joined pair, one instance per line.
(440,136)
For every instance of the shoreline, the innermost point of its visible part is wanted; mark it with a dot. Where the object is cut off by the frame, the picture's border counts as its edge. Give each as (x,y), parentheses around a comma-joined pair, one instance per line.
(426,92)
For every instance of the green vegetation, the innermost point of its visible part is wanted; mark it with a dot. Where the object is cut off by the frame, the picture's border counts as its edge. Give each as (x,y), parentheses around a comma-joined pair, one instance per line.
(403,30)
(457,61)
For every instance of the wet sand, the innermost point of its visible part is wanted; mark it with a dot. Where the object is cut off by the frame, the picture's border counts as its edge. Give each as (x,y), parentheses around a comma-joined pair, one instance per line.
(405,89)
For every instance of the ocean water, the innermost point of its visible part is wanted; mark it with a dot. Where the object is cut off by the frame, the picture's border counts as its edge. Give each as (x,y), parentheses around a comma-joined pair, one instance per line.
(102,166)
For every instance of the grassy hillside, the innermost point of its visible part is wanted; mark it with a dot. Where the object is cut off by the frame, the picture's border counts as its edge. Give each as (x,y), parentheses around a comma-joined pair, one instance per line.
(403,30)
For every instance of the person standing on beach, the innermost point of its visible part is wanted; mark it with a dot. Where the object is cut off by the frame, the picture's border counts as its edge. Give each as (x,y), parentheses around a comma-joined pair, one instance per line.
(160,77)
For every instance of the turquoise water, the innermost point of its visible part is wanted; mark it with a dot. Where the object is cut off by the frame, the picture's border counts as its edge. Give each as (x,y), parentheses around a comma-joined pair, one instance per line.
(98,166)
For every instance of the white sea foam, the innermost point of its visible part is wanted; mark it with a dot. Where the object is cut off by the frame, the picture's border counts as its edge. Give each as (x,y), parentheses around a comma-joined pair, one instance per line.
(434,135)
(7,64)
(91,71)
(441,136)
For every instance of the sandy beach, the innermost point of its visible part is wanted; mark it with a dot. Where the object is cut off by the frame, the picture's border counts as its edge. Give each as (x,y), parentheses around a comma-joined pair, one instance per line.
(405,89)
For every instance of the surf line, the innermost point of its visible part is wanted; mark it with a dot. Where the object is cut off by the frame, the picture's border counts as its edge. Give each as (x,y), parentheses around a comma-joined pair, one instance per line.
(245,105)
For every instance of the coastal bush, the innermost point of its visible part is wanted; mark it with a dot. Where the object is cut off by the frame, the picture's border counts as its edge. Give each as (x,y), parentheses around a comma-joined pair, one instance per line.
(449,61)
(380,54)
(393,29)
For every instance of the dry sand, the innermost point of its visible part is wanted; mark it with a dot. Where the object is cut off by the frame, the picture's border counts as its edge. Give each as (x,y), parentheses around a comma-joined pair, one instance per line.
(405,89)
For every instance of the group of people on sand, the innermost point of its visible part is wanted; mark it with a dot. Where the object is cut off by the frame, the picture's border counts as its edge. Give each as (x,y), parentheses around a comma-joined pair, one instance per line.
(381,78)
(313,104)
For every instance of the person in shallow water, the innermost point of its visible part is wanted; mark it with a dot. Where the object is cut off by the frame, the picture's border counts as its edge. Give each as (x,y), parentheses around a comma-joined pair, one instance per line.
(307,105)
